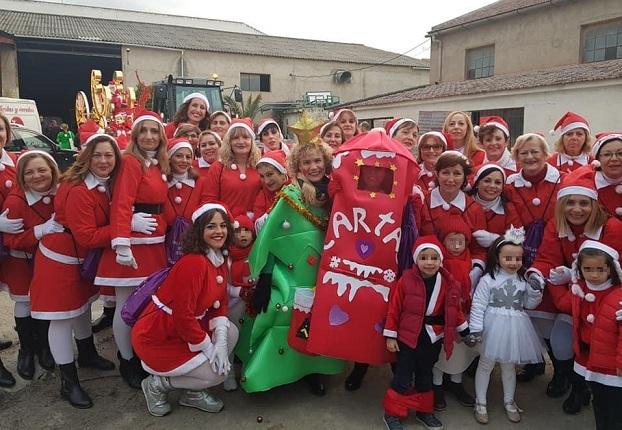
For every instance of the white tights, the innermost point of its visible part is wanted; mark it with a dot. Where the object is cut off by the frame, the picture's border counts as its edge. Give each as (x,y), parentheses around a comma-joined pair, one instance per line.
(122,331)
(437,377)
(203,377)
(482,378)
(61,336)
(22,309)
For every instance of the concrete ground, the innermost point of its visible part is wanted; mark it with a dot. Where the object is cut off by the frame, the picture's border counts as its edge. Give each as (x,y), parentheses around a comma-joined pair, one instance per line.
(37,404)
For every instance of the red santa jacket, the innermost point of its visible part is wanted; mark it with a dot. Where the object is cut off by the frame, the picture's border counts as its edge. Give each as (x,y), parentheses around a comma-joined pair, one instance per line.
(566,164)
(609,195)
(227,185)
(407,309)
(478,157)
(239,269)
(35,210)
(499,218)
(264,202)
(183,198)
(88,214)
(460,267)
(7,175)
(426,179)
(506,162)
(606,348)
(201,166)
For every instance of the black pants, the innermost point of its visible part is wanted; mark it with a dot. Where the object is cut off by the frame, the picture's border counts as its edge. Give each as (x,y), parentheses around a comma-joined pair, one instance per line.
(606,404)
(419,361)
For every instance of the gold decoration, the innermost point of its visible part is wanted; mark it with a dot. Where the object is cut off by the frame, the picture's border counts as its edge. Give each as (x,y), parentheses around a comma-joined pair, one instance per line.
(313,219)
(372,195)
(306,128)
(359,162)
(393,167)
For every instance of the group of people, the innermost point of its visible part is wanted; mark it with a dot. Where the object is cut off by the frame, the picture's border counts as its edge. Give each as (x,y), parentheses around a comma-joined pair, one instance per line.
(437,251)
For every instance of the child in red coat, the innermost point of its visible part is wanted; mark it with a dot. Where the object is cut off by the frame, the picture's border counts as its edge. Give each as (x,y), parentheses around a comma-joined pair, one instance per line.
(423,308)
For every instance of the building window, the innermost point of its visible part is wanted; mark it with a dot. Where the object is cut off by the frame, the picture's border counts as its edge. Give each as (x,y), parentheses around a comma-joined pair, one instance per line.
(480,62)
(602,42)
(254,82)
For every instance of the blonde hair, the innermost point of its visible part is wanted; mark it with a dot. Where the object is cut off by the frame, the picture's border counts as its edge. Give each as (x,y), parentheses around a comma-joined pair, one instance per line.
(80,168)
(586,148)
(597,219)
(526,138)
(23,160)
(470,141)
(294,161)
(226,153)
(161,155)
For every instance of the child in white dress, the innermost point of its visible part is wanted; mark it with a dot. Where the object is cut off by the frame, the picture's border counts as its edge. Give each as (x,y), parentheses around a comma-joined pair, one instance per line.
(499,322)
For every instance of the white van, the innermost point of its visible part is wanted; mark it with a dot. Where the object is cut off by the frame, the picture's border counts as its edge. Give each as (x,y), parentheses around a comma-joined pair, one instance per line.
(21,112)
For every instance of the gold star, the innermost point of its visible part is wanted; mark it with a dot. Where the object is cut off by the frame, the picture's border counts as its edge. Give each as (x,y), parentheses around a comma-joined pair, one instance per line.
(392,195)
(306,128)
(393,167)
(377,164)
(356,178)
(372,195)
(359,162)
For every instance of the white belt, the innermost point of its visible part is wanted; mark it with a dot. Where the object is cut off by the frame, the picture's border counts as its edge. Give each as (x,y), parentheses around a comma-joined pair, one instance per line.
(146,240)
(19,254)
(165,308)
(60,258)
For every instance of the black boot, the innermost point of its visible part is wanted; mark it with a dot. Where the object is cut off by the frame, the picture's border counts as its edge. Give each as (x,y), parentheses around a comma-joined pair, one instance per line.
(26,355)
(104,321)
(560,383)
(42,349)
(70,388)
(464,398)
(316,385)
(355,378)
(579,395)
(439,398)
(530,371)
(6,378)
(131,371)
(88,356)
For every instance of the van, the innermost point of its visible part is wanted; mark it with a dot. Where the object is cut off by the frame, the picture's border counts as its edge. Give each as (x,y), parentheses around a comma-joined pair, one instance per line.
(21,112)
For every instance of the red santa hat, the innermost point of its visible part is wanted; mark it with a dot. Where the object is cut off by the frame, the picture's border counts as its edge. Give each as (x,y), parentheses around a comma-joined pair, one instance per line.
(176,144)
(146,115)
(334,116)
(276,159)
(495,121)
(94,136)
(602,138)
(88,128)
(581,184)
(205,207)
(200,96)
(594,244)
(444,138)
(391,126)
(570,121)
(427,242)
(245,123)
(243,221)
(221,112)
(485,169)
(266,122)
(36,151)
(453,224)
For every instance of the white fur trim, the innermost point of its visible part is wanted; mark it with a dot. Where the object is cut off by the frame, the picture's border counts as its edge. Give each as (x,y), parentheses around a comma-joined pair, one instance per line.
(119,282)
(197,96)
(188,366)
(389,333)
(240,125)
(196,347)
(59,258)
(578,190)
(206,207)
(278,166)
(436,134)
(147,118)
(178,146)
(399,123)
(423,246)
(574,125)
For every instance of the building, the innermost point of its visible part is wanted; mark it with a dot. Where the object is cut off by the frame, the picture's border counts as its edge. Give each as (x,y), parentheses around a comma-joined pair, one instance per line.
(527,60)
(47,51)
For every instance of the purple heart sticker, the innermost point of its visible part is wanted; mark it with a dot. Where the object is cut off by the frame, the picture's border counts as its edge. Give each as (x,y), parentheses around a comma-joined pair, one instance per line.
(337,316)
(364,248)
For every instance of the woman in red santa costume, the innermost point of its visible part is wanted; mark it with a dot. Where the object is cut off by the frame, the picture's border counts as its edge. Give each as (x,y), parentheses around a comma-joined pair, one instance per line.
(271,137)
(219,123)
(140,188)
(534,190)
(404,130)
(273,174)
(193,110)
(572,148)
(494,137)
(578,217)
(209,145)
(33,201)
(81,204)
(234,179)
(431,145)
(183,336)
(594,299)
(459,126)
(348,122)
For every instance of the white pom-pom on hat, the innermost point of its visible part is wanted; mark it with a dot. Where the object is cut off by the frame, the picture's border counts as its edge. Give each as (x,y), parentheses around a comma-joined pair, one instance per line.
(236,224)
(595,164)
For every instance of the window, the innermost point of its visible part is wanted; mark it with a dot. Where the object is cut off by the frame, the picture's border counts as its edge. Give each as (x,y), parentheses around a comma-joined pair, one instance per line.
(515,117)
(254,82)
(602,42)
(480,62)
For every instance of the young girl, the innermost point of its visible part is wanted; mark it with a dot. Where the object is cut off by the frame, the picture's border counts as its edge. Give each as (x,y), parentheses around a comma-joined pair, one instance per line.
(209,145)
(499,321)
(423,308)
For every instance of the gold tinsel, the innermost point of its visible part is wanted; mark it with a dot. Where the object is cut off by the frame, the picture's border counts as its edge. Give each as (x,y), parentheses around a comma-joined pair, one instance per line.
(315,220)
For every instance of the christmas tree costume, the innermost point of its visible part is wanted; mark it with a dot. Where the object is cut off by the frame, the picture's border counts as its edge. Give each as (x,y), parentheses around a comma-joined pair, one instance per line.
(288,249)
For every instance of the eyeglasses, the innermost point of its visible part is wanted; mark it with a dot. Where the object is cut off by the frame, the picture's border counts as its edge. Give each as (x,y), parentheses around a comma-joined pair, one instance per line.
(534,152)
(610,155)
(430,147)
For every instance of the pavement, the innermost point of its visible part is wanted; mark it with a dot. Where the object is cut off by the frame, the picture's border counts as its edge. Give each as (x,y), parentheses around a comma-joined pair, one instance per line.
(38,405)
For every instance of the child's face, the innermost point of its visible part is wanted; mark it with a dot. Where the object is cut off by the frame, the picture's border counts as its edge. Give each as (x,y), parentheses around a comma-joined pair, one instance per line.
(455,243)
(243,237)
(428,262)
(511,258)
(595,269)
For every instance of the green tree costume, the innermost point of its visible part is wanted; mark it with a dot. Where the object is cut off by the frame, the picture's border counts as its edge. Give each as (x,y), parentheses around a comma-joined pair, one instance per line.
(289,247)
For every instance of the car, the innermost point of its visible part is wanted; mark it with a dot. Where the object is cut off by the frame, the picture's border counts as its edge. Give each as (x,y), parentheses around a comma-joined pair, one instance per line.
(25,139)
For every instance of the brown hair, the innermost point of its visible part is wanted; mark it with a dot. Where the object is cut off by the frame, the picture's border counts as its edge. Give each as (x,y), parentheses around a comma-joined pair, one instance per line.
(454,158)
(181,115)
(23,160)
(492,259)
(192,173)
(587,145)
(589,252)
(488,130)
(185,128)
(7,127)
(193,242)
(226,153)
(329,126)
(134,150)
(597,219)
(470,141)
(80,168)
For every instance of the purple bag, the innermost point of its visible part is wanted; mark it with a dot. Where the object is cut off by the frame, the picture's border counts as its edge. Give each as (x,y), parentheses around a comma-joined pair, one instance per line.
(533,239)
(173,240)
(407,241)
(4,251)
(88,269)
(140,298)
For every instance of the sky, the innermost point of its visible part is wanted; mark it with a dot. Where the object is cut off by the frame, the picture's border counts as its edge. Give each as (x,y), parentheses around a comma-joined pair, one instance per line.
(391,25)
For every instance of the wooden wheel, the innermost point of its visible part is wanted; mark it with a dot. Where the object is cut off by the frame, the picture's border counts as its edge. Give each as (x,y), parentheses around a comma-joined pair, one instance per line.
(83,112)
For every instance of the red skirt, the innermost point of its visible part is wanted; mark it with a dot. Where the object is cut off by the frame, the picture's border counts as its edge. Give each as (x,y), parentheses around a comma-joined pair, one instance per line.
(149,257)
(17,274)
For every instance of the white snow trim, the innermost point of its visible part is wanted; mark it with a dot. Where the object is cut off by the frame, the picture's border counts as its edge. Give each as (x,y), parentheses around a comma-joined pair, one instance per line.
(389,333)
(119,282)
(63,315)
(219,322)
(462,326)
(120,241)
(59,258)
(19,254)
(378,154)
(337,159)
(19,298)
(196,347)
(362,268)
(329,245)
(184,369)
(342,281)
(146,240)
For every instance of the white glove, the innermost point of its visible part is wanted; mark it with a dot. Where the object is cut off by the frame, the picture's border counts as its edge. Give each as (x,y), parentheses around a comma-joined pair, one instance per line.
(259,223)
(209,351)
(476,273)
(220,363)
(8,225)
(48,227)
(125,256)
(485,238)
(619,313)
(561,275)
(143,223)
(535,281)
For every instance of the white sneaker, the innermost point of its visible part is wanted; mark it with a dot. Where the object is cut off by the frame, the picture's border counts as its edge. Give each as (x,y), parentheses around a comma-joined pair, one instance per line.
(481,413)
(201,400)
